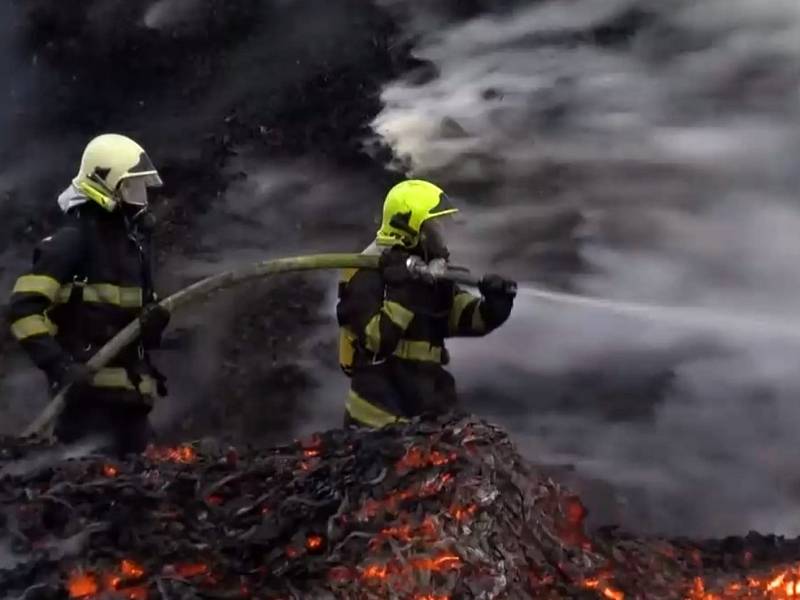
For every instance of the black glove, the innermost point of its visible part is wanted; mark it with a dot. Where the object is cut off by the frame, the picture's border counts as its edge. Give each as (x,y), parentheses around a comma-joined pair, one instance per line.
(153,320)
(495,285)
(498,299)
(68,373)
(394,268)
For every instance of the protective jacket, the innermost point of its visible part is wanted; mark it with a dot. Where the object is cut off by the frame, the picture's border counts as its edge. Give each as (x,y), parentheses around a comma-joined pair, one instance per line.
(89,280)
(392,342)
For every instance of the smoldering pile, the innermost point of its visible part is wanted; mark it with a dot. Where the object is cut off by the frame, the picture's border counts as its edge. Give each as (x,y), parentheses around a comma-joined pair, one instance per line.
(421,511)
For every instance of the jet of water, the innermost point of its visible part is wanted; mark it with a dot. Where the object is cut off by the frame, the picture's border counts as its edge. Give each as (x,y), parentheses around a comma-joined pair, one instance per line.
(723,321)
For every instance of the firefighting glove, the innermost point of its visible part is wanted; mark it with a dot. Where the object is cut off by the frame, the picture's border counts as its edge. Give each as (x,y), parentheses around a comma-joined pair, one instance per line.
(498,299)
(393,265)
(68,373)
(153,320)
(495,285)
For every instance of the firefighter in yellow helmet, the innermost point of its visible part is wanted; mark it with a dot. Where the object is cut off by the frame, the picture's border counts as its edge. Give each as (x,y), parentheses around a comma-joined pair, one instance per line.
(394,323)
(89,279)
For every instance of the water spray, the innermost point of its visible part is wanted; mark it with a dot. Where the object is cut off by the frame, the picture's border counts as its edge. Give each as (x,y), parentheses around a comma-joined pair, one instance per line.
(681,316)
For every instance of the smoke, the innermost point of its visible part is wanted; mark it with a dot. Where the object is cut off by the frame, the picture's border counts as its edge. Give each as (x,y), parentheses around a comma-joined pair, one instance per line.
(282,208)
(166,13)
(213,90)
(638,151)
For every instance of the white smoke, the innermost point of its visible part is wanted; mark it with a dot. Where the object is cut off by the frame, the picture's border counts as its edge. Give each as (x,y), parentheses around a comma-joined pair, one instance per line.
(167,13)
(659,167)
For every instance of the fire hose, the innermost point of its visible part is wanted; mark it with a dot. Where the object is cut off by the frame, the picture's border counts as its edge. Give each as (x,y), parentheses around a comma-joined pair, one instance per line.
(436,270)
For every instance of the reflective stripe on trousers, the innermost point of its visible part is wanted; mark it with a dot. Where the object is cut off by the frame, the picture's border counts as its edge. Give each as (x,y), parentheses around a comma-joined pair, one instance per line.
(368,414)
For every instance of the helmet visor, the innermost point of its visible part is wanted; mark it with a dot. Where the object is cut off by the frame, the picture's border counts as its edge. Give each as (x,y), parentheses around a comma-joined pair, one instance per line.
(446,206)
(134,191)
(144,169)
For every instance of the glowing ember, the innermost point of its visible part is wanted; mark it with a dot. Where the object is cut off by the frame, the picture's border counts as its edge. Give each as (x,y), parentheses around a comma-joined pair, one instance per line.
(441,562)
(314,542)
(82,584)
(392,503)
(376,572)
(463,513)
(110,471)
(417,458)
(780,586)
(180,454)
(189,570)
(429,531)
(776,583)
(130,569)
(606,590)
(313,447)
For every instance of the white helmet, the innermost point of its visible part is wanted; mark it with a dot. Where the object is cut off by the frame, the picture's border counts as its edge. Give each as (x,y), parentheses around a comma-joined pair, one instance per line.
(116,169)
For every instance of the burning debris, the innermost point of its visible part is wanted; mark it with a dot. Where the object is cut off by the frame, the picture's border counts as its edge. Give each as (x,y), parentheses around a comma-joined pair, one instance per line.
(419,512)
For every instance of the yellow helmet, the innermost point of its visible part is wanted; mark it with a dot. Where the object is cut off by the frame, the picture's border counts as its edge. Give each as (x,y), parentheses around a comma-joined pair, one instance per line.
(407,206)
(107,161)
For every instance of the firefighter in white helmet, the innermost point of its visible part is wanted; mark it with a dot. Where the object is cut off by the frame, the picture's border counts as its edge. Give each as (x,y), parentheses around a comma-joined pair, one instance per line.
(89,279)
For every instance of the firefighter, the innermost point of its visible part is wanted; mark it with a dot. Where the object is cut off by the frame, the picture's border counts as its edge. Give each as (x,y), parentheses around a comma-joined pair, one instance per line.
(89,280)
(394,323)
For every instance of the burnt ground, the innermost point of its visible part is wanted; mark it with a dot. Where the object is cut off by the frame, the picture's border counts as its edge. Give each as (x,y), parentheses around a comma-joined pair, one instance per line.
(441,511)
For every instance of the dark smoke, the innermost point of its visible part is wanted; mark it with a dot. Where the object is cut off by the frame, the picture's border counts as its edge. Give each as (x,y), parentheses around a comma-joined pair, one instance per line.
(254,112)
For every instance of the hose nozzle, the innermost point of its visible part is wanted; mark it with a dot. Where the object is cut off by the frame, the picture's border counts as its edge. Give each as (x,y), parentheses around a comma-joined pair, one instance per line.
(439,269)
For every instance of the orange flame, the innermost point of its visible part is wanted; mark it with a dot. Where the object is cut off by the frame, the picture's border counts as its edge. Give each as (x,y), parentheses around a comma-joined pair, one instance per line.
(110,471)
(463,513)
(777,586)
(376,572)
(428,531)
(81,585)
(417,458)
(444,561)
(314,542)
(606,590)
(180,454)
(130,569)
